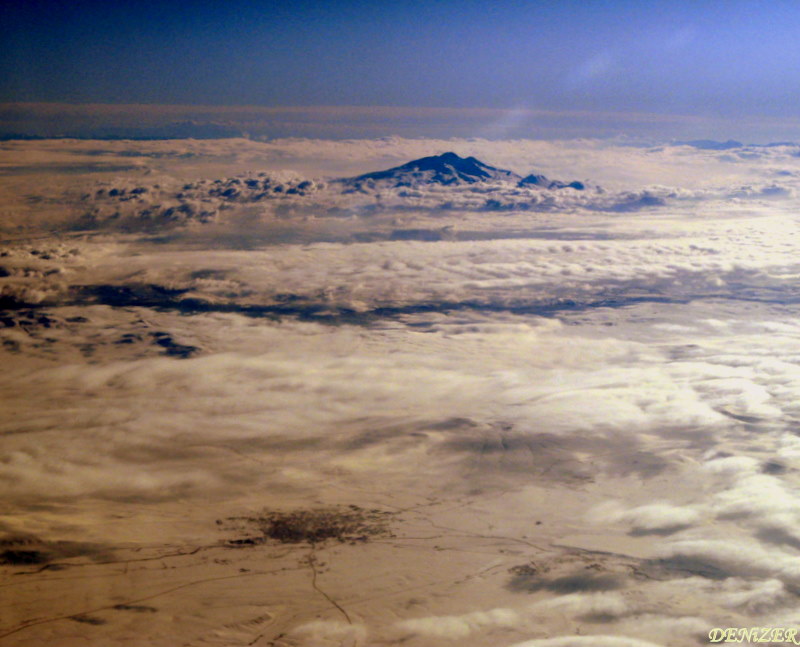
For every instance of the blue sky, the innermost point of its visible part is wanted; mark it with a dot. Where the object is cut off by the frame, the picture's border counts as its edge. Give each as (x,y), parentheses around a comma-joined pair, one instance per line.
(726,60)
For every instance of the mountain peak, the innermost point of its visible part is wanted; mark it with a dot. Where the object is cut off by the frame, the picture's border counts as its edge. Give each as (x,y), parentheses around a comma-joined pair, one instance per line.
(447,168)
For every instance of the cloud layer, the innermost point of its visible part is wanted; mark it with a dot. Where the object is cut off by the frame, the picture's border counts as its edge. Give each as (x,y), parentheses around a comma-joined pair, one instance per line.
(582,416)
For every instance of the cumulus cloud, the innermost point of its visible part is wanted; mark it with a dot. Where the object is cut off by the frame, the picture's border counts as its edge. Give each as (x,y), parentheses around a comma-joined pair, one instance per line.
(754,597)
(461,626)
(142,207)
(593,605)
(756,494)
(632,179)
(315,391)
(667,629)
(742,558)
(328,632)
(653,518)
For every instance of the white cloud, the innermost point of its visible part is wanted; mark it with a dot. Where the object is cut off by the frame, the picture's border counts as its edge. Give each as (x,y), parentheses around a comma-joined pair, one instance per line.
(670,630)
(754,597)
(321,633)
(737,557)
(461,626)
(646,518)
(609,605)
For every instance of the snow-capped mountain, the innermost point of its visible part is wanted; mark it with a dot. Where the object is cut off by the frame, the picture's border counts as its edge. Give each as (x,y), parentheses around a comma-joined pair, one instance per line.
(449,169)
(446,169)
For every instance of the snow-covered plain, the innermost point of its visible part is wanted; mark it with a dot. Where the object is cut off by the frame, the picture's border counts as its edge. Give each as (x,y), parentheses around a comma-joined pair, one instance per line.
(574,413)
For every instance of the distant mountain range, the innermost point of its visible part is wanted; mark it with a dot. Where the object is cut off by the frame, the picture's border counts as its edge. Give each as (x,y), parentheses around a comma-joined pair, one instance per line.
(542,181)
(711,145)
(449,169)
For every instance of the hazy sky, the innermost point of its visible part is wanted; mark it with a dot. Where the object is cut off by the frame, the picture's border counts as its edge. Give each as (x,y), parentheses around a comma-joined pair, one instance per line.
(710,59)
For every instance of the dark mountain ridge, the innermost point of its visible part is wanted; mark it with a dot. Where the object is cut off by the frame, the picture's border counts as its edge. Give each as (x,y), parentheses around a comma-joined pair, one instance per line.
(449,169)
(542,181)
